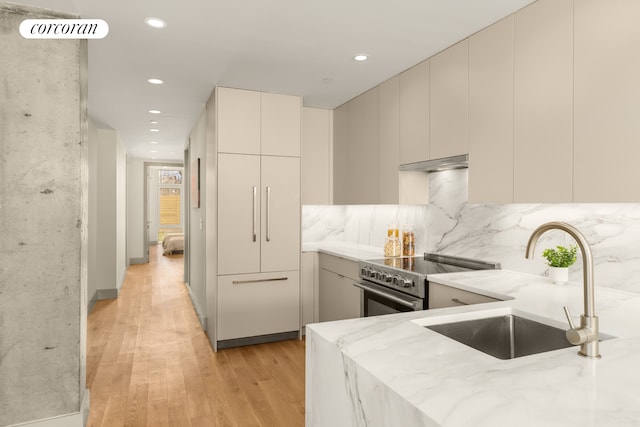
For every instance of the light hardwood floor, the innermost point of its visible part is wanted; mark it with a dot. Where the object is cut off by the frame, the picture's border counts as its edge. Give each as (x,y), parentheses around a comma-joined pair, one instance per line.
(149,362)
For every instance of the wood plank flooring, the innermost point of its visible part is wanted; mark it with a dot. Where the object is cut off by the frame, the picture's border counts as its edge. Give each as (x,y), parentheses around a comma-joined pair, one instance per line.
(149,363)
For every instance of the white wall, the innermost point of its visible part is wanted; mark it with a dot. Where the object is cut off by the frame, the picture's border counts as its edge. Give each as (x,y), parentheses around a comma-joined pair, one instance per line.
(135,211)
(92,238)
(197,238)
(121,211)
(152,196)
(111,213)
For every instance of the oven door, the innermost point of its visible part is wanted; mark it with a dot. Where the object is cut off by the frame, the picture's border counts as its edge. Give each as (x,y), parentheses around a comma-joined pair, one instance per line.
(376,300)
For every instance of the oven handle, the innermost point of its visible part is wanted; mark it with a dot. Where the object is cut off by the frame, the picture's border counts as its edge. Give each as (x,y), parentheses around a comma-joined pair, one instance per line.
(412,305)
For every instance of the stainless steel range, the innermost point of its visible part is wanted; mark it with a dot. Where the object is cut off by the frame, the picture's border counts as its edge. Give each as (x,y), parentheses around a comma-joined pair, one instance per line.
(393,285)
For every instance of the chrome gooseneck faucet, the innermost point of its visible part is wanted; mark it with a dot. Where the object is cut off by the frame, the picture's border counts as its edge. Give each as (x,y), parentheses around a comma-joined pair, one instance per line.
(587,335)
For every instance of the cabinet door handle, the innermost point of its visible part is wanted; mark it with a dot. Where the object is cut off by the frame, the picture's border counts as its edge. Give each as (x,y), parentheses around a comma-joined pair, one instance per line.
(268,233)
(457,301)
(255,212)
(275,279)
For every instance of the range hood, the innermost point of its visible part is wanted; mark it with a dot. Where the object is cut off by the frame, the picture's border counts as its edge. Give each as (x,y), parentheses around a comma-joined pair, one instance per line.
(437,165)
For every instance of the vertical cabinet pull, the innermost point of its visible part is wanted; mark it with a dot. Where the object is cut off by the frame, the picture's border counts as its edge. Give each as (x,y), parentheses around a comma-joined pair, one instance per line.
(268,209)
(255,212)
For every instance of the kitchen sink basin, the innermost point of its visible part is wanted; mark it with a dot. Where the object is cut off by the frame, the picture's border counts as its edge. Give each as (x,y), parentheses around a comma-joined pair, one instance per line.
(506,337)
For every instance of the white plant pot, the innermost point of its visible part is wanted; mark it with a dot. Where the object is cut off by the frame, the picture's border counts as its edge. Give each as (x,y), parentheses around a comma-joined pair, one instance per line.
(559,275)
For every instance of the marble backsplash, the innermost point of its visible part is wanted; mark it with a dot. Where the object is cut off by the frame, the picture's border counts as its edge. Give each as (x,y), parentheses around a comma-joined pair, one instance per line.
(499,233)
(362,224)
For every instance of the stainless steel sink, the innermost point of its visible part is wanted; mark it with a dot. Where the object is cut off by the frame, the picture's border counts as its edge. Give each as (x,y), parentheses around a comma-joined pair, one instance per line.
(506,337)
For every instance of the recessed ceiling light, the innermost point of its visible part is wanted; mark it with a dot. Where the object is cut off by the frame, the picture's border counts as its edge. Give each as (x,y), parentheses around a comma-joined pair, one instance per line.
(153,122)
(360,57)
(155,81)
(153,142)
(154,130)
(155,22)
(154,151)
(155,111)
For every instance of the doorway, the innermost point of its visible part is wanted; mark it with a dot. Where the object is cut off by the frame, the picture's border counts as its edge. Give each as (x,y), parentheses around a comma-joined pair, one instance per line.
(164,202)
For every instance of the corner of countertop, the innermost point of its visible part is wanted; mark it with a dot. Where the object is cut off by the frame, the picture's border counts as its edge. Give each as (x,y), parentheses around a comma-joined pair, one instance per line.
(348,250)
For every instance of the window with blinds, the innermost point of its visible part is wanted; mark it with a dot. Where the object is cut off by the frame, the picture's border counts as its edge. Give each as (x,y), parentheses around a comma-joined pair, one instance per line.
(169,206)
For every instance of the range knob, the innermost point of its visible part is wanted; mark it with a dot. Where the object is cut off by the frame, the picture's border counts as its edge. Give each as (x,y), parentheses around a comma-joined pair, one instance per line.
(407,283)
(383,276)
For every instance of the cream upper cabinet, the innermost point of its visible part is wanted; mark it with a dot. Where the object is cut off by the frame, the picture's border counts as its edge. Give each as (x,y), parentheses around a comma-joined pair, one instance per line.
(448,92)
(341,155)
(258,213)
(315,156)
(389,157)
(607,101)
(491,114)
(238,121)
(543,102)
(362,149)
(239,193)
(280,125)
(251,122)
(280,227)
(414,113)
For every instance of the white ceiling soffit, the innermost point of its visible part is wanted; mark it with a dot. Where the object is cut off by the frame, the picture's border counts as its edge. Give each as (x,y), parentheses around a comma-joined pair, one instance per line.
(297,47)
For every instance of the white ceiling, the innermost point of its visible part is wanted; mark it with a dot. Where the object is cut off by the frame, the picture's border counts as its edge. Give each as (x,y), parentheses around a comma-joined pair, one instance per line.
(298,47)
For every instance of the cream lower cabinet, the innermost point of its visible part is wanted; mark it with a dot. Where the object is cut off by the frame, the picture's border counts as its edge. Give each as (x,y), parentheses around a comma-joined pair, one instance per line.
(442,296)
(309,289)
(251,305)
(338,298)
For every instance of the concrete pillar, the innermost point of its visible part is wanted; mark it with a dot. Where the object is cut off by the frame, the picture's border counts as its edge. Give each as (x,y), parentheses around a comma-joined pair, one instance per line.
(43,223)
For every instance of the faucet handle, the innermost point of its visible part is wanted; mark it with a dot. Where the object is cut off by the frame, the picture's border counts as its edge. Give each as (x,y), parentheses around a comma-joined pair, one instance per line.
(575,336)
(568,314)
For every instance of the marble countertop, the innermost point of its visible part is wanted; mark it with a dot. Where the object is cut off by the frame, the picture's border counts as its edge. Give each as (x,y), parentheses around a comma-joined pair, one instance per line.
(350,251)
(393,361)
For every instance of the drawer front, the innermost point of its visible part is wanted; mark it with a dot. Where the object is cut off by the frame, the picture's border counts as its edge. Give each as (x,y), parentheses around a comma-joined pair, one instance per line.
(441,296)
(258,304)
(340,266)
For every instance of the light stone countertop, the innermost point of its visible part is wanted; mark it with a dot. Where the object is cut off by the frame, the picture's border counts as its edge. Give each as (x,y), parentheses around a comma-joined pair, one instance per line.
(350,251)
(390,370)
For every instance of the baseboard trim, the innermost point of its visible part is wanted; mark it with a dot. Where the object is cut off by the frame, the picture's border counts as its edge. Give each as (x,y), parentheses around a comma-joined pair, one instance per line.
(107,294)
(135,261)
(261,339)
(70,420)
(85,406)
(92,302)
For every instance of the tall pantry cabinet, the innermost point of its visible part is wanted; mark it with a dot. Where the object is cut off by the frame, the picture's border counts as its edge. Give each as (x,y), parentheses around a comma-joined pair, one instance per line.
(258,216)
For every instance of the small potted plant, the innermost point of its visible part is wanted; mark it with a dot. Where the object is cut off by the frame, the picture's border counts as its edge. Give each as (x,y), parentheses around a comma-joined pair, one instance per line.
(559,260)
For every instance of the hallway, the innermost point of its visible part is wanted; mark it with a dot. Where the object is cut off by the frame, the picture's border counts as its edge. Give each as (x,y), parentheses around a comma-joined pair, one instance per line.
(149,362)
